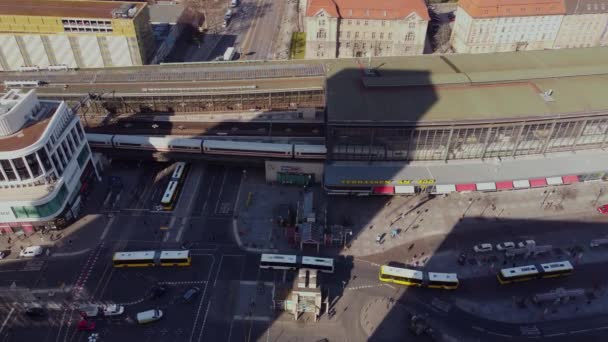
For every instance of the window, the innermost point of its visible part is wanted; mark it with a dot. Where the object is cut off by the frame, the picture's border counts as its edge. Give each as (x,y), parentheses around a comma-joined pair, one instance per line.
(21,169)
(80,131)
(322,34)
(68,151)
(44,158)
(373,35)
(75,136)
(48,209)
(390,35)
(356,35)
(322,22)
(365,23)
(381,35)
(350,22)
(358,22)
(410,36)
(8,169)
(57,164)
(32,162)
(82,157)
(412,25)
(348,34)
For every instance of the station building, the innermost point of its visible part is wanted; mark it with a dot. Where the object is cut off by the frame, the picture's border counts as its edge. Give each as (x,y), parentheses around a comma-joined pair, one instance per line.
(450,123)
(45,163)
(75,34)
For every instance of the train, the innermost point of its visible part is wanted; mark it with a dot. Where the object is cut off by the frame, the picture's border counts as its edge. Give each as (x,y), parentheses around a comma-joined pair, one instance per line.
(208,146)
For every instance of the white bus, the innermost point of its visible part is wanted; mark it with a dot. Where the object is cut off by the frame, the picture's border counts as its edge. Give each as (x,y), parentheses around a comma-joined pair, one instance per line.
(278,262)
(325,265)
(179,171)
(168,200)
(152,258)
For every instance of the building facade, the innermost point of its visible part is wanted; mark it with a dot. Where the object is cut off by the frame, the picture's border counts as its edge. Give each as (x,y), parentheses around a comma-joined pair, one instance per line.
(365,28)
(584,25)
(36,34)
(45,163)
(506,25)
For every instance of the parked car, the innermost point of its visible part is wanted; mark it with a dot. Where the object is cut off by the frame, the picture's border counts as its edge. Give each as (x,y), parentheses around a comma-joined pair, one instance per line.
(523,244)
(483,248)
(505,245)
(2,255)
(157,291)
(190,294)
(31,252)
(149,316)
(113,310)
(462,258)
(603,209)
(35,312)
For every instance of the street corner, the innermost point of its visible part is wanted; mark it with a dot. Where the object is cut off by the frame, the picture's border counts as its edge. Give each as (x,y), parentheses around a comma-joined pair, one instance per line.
(378,314)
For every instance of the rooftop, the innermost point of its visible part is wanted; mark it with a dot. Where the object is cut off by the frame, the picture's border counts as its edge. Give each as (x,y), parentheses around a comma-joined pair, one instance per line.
(512,8)
(165,13)
(32,131)
(586,6)
(369,9)
(63,9)
(468,87)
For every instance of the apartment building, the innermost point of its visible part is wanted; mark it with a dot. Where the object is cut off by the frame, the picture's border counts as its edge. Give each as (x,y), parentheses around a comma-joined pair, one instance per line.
(584,25)
(517,25)
(45,163)
(362,28)
(36,34)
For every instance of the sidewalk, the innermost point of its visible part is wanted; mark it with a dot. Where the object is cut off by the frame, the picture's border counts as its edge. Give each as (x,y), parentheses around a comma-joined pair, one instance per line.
(416,219)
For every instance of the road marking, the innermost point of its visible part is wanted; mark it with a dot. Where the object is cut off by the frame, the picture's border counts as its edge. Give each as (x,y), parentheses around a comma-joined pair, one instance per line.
(254,282)
(601,328)
(478,328)
(198,311)
(554,335)
(107,228)
(580,331)
(230,330)
(200,335)
(6,320)
(219,268)
(219,197)
(498,334)
(252,318)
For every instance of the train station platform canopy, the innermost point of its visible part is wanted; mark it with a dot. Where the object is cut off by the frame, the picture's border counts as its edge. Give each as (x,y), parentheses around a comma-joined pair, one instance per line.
(528,169)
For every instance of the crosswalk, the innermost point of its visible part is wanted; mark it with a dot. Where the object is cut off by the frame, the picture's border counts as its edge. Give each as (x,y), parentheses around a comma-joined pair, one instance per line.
(531,330)
(33,265)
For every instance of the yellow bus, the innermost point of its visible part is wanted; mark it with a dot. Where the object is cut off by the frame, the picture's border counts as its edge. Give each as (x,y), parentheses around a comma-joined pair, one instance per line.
(152,258)
(447,281)
(401,276)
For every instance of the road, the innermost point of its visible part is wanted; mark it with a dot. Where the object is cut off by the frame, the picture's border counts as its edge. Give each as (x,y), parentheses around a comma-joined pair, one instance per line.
(253,30)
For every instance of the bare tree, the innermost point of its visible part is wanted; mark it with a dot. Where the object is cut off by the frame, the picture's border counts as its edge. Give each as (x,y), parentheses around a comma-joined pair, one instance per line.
(442,37)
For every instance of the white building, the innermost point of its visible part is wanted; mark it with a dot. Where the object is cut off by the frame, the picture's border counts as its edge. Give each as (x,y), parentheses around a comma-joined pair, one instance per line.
(506,25)
(45,163)
(584,25)
(364,28)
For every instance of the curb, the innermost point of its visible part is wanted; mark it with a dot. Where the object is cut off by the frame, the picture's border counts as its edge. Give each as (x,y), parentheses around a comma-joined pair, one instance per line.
(69,254)
(237,238)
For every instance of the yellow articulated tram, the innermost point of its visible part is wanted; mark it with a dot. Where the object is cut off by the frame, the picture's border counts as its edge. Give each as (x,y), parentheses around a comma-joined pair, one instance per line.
(152,258)
(529,272)
(410,277)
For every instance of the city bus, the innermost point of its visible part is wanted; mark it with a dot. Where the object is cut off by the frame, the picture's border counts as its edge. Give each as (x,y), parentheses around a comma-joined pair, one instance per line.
(401,276)
(448,281)
(278,262)
(152,258)
(172,191)
(529,272)
(325,265)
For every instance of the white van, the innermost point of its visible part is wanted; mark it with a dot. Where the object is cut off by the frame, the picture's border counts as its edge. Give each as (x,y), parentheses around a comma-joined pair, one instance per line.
(31,251)
(229,54)
(149,316)
(234,3)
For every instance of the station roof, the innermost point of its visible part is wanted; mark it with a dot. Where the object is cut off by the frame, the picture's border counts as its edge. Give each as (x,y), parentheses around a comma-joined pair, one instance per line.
(467,87)
(465,171)
(64,9)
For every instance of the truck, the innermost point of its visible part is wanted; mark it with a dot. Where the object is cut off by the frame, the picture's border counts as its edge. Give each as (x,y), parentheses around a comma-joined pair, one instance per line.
(229,54)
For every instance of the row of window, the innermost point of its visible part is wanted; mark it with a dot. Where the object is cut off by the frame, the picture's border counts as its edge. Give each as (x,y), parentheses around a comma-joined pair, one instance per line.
(81,22)
(366,35)
(87,29)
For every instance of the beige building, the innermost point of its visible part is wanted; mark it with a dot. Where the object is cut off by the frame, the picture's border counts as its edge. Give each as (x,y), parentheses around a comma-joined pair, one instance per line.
(584,25)
(506,25)
(517,25)
(42,34)
(361,28)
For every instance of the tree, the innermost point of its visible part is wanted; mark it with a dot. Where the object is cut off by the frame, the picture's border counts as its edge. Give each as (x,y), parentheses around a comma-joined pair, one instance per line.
(442,38)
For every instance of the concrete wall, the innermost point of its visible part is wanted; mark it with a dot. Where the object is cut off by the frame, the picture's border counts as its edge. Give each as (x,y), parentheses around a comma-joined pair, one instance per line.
(274,167)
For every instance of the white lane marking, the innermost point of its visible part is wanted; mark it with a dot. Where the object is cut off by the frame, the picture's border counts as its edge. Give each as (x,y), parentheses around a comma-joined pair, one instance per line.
(253,282)
(580,331)
(498,334)
(10,313)
(166,237)
(185,222)
(200,335)
(251,318)
(554,335)
(219,268)
(230,330)
(198,311)
(107,228)
(601,328)
(219,197)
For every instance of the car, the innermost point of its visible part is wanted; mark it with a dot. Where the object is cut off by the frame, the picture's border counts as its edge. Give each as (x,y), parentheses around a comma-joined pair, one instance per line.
(88,310)
(157,291)
(505,245)
(526,243)
(190,294)
(2,255)
(483,248)
(31,252)
(113,310)
(462,258)
(85,325)
(603,209)
(149,316)
(35,312)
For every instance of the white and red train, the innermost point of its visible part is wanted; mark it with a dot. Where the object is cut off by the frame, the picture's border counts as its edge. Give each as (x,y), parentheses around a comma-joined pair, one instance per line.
(207,146)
